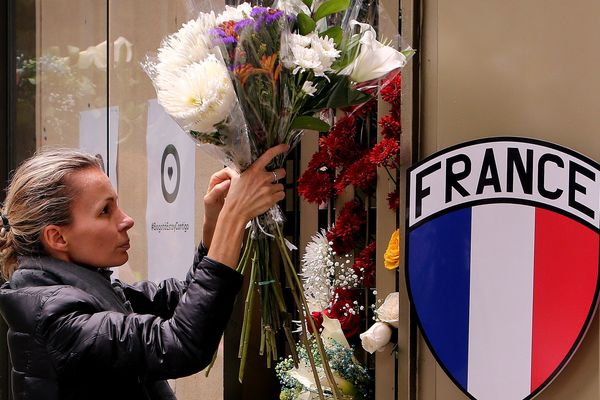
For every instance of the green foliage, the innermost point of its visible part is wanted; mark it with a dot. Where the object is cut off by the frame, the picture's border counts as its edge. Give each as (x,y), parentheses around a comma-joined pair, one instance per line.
(330,7)
(312,123)
(305,24)
(336,33)
(341,95)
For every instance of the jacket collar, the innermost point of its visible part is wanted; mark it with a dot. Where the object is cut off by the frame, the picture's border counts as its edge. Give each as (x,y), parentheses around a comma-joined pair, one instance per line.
(95,281)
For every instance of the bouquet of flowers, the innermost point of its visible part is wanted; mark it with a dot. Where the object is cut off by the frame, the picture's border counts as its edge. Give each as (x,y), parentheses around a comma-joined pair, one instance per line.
(249,78)
(350,377)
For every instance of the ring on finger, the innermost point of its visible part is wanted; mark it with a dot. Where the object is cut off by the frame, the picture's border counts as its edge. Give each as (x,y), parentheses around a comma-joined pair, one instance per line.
(275,178)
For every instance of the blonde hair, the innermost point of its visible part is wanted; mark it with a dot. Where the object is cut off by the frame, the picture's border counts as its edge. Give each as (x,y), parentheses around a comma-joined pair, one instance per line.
(38,195)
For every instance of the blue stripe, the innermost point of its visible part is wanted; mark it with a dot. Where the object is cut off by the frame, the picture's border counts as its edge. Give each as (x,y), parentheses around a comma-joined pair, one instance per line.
(438,268)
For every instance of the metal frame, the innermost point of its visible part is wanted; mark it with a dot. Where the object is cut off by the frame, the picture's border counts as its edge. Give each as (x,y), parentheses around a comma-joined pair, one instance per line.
(7,123)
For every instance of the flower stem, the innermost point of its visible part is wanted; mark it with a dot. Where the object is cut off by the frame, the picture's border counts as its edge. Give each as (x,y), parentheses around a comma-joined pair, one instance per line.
(212,363)
(243,352)
(390,175)
(305,315)
(243,263)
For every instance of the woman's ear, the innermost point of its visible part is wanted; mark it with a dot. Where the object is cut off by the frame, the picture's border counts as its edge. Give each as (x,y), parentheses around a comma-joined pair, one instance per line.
(54,241)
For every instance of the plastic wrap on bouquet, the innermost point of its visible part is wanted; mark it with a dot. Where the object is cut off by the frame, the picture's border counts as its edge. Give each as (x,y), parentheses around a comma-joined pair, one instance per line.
(201,98)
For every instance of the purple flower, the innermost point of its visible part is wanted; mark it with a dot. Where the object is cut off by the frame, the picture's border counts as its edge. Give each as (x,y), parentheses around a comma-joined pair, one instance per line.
(242,24)
(272,17)
(221,37)
(256,11)
(265,16)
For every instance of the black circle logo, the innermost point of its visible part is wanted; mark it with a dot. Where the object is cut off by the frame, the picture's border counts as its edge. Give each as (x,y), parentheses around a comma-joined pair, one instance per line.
(170,173)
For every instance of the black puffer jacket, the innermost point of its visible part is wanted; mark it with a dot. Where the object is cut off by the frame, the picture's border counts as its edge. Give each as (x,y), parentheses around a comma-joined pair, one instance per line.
(74,336)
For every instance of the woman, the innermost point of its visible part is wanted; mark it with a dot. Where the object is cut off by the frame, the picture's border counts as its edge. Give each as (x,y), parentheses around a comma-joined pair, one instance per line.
(73,335)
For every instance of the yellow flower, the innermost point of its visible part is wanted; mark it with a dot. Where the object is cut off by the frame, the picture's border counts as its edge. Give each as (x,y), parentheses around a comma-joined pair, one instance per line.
(391,258)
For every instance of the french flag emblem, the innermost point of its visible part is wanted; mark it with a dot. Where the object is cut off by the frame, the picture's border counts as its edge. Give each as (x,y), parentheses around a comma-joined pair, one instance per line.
(503,261)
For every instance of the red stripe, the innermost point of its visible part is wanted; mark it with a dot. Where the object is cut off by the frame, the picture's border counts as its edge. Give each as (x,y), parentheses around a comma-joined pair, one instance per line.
(565,278)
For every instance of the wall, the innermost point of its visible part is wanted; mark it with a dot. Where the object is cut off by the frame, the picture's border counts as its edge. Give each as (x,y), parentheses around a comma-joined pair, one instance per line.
(520,68)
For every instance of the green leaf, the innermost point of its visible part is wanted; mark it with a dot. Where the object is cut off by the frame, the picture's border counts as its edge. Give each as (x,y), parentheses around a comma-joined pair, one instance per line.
(341,94)
(330,7)
(336,33)
(306,24)
(308,3)
(312,123)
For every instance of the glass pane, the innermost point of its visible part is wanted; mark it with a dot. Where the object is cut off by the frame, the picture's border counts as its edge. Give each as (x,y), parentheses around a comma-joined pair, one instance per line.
(71,67)
(160,174)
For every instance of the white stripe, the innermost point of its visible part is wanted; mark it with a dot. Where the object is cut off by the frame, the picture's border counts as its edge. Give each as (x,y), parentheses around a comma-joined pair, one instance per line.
(501,301)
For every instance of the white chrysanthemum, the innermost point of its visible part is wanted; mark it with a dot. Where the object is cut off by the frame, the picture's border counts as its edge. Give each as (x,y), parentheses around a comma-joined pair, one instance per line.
(306,58)
(309,88)
(186,46)
(325,46)
(200,96)
(316,262)
(235,13)
(310,52)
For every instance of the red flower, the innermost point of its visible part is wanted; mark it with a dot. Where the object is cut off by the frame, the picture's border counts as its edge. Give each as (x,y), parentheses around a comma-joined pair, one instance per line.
(361,174)
(393,199)
(315,186)
(345,310)
(384,151)
(390,127)
(362,110)
(364,265)
(392,91)
(339,144)
(316,183)
(317,317)
(346,232)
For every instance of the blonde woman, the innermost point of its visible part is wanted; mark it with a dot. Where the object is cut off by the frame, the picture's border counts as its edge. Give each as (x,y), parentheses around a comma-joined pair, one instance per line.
(74,335)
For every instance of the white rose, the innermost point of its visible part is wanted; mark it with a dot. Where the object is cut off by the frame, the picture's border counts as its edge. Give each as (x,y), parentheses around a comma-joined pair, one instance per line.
(389,311)
(376,337)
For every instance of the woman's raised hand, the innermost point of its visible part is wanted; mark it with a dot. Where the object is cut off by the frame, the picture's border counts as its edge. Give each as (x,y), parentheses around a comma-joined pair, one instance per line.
(249,195)
(218,187)
(256,189)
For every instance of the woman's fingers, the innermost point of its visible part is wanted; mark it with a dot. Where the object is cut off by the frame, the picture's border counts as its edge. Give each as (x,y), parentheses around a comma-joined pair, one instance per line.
(224,174)
(277,188)
(256,190)
(264,160)
(275,176)
(219,191)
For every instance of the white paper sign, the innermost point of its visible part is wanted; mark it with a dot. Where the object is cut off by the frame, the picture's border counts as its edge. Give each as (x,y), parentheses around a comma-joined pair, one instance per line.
(170,212)
(93,137)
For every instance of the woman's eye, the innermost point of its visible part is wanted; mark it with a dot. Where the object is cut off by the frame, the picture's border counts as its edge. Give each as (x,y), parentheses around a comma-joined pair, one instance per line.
(105,210)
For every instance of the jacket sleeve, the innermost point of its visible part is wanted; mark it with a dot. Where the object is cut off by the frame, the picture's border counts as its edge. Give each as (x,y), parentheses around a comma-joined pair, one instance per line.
(78,336)
(147,297)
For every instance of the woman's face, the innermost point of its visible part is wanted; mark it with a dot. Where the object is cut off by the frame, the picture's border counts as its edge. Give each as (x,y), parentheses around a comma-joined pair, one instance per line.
(97,235)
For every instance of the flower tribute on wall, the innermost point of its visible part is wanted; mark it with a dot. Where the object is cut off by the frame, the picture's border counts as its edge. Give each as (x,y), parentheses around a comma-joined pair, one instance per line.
(338,267)
(250,77)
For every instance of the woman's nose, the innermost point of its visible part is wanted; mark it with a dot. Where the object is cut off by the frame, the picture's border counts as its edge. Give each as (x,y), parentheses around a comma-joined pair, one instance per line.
(126,222)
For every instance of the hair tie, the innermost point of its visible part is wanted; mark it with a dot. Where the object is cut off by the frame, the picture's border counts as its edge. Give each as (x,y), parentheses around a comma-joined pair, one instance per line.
(5,223)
